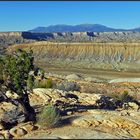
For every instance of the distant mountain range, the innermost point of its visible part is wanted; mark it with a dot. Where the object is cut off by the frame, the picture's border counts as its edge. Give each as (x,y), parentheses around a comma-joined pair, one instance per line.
(79,28)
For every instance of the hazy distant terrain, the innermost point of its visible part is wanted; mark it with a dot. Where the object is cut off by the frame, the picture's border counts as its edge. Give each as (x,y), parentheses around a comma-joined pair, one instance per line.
(80,28)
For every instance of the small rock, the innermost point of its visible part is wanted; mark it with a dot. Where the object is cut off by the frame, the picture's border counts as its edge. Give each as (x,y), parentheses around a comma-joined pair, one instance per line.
(2,137)
(7,135)
(21,132)
(13,131)
(133,105)
(132,114)
(95,122)
(1,127)
(12,95)
(69,113)
(125,113)
(29,127)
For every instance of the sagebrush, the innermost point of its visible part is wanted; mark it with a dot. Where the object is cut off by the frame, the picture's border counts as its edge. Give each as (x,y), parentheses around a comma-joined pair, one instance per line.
(49,117)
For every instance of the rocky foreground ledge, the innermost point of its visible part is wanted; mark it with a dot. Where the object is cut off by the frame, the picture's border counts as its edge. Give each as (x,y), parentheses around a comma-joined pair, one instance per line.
(88,113)
(87,120)
(84,117)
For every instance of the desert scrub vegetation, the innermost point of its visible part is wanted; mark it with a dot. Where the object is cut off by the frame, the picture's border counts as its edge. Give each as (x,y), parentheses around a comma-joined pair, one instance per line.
(49,117)
(122,97)
(46,83)
(67,86)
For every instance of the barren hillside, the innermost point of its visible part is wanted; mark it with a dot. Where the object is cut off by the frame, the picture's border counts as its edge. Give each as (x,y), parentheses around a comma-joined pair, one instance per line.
(118,56)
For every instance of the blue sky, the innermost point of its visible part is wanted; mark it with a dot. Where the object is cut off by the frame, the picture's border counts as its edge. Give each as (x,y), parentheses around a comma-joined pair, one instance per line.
(22,16)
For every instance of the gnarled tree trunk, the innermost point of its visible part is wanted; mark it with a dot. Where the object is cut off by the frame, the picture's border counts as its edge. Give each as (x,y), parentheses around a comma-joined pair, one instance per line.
(29,111)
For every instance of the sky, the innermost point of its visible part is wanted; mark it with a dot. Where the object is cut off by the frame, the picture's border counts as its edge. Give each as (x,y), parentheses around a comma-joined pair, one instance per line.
(25,15)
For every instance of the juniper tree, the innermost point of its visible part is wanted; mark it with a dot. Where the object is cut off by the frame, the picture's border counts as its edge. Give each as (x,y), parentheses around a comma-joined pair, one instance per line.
(15,76)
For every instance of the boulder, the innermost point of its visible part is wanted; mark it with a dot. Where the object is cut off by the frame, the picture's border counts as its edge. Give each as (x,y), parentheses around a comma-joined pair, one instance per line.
(12,117)
(7,106)
(68,86)
(6,114)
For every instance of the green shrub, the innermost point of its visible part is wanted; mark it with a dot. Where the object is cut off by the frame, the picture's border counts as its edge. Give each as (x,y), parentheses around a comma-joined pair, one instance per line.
(49,117)
(49,83)
(44,84)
